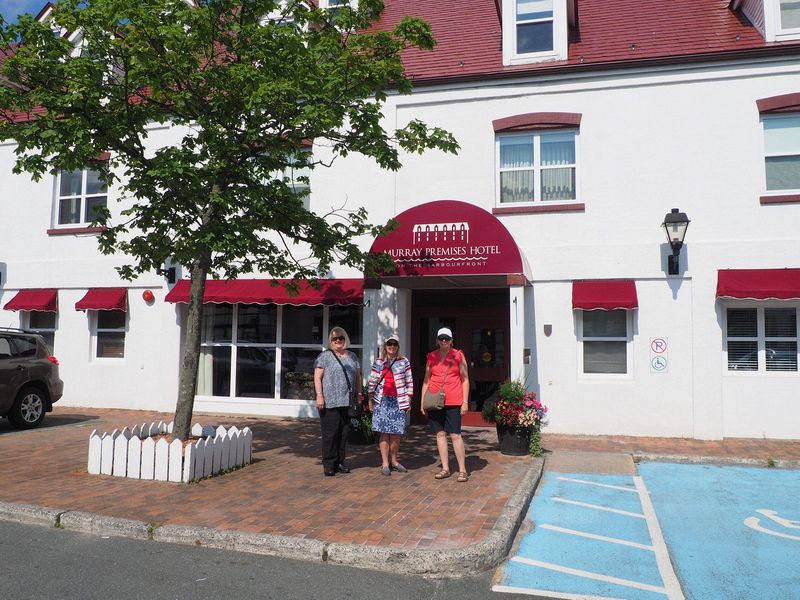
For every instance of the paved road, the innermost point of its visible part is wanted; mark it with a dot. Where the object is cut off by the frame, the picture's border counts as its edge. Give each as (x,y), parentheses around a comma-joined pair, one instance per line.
(40,563)
(730,532)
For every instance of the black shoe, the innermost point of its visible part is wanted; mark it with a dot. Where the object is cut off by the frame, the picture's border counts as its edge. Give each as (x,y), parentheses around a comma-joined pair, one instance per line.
(343,469)
(329,472)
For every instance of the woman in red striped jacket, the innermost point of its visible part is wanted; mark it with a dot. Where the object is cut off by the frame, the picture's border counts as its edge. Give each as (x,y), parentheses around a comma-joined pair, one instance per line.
(390,388)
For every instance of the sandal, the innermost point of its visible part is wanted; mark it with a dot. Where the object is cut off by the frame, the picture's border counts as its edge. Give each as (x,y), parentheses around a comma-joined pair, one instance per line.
(463,477)
(443,474)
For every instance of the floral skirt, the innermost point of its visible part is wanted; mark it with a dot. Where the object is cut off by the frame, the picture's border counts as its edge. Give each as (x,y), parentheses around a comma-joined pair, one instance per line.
(388,418)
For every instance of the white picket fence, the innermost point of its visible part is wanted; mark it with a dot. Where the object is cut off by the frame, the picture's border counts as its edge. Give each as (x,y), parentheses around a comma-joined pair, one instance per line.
(133,453)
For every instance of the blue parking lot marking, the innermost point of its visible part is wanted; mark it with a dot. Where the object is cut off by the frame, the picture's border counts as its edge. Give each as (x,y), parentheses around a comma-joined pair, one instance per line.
(593,537)
(732,532)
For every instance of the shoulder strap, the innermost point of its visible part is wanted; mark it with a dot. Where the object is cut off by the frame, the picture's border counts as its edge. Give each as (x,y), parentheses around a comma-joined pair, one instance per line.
(383,373)
(446,369)
(346,376)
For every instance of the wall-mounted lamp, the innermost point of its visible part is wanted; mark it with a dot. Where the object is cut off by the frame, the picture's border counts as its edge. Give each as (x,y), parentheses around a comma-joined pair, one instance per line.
(675,225)
(168,272)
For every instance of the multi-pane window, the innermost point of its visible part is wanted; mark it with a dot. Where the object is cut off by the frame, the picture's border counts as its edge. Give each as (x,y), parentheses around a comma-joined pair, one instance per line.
(80,194)
(110,334)
(43,323)
(604,337)
(272,347)
(298,175)
(537,167)
(782,153)
(761,339)
(790,14)
(534,26)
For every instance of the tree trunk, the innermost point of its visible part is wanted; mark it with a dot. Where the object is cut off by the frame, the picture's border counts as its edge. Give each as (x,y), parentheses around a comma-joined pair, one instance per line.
(191,351)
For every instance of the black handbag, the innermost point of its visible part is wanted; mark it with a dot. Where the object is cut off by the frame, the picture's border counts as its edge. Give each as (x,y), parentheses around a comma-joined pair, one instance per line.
(354,408)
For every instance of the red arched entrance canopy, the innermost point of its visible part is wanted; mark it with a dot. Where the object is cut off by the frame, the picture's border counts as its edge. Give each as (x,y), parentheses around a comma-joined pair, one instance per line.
(449,237)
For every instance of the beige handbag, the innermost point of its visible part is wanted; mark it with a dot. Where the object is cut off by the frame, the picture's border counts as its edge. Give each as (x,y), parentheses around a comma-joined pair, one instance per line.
(435,400)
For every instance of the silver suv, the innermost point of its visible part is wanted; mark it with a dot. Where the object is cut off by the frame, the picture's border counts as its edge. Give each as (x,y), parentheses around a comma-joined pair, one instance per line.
(29,382)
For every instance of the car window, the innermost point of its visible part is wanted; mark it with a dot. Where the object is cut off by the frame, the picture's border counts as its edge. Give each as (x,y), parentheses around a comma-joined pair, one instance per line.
(5,348)
(24,347)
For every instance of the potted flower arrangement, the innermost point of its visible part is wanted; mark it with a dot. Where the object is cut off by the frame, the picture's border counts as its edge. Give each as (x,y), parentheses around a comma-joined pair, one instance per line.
(519,417)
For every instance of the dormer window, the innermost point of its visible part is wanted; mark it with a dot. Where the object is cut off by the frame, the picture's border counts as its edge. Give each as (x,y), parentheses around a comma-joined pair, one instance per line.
(534,31)
(534,24)
(790,15)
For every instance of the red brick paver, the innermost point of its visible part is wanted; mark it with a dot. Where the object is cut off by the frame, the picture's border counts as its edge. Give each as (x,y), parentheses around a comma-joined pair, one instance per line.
(282,492)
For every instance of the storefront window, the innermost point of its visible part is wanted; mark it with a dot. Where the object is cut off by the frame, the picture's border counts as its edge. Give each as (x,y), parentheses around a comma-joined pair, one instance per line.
(43,323)
(256,338)
(110,334)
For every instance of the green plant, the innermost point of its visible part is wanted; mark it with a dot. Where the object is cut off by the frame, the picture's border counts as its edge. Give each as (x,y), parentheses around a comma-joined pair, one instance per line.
(517,407)
(770,463)
(363,425)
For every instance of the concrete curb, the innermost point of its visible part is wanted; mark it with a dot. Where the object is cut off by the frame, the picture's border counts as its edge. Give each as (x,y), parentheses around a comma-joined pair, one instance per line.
(482,555)
(254,543)
(30,514)
(113,526)
(717,460)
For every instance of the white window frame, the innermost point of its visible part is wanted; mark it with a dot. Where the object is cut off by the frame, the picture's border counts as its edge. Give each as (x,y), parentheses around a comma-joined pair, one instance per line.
(773,29)
(537,167)
(628,339)
(278,346)
(96,330)
(560,36)
(43,331)
(773,118)
(760,338)
(82,197)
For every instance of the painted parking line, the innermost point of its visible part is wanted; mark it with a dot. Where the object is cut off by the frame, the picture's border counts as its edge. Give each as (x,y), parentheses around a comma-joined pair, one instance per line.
(595,536)
(732,532)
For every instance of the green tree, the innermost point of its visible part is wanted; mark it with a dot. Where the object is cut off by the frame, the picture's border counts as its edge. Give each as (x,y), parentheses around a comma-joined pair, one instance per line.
(244,84)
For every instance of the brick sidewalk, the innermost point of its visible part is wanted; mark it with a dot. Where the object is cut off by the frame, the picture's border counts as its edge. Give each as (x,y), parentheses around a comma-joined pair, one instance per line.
(283,492)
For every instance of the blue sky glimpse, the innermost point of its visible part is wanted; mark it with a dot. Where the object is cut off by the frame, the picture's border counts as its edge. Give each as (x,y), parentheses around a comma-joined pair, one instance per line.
(9,9)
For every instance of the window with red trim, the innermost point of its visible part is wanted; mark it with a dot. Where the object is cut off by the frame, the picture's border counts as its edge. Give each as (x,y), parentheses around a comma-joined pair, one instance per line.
(782,153)
(537,167)
(80,195)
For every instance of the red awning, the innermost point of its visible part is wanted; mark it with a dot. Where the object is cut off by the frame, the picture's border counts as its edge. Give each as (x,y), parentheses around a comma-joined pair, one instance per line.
(273,291)
(604,294)
(104,299)
(44,300)
(759,284)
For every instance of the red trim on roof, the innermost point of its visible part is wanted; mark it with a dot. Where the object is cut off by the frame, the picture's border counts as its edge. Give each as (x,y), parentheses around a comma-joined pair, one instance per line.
(103,157)
(537,120)
(779,104)
(759,284)
(273,291)
(604,294)
(45,300)
(104,299)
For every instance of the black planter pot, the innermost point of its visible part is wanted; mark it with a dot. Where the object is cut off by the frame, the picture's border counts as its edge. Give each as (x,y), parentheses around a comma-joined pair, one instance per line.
(515,441)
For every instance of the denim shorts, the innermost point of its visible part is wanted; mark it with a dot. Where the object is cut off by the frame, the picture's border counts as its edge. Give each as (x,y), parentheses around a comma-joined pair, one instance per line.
(447,419)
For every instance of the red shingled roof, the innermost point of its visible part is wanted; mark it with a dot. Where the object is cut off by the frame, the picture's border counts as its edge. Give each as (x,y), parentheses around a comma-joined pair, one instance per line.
(610,33)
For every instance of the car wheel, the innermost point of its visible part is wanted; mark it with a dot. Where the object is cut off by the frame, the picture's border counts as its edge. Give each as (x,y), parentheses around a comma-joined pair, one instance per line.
(28,410)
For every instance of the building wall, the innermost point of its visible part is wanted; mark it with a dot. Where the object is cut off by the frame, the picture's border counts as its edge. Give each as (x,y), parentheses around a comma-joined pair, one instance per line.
(649,141)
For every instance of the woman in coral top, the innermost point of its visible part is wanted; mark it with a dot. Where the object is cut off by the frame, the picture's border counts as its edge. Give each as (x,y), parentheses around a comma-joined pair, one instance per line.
(448,365)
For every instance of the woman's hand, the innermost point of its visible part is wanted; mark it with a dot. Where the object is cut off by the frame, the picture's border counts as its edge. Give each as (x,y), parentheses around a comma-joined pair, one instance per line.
(464,407)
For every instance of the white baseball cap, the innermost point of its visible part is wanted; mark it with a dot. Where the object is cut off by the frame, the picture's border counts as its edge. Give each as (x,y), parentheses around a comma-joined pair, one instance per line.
(444,331)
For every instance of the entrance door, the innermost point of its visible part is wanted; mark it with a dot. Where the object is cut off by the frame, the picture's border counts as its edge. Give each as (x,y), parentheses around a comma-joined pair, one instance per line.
(479,321)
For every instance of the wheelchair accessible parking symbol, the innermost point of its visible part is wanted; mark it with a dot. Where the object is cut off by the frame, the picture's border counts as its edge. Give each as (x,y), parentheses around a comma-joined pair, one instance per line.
(659,358)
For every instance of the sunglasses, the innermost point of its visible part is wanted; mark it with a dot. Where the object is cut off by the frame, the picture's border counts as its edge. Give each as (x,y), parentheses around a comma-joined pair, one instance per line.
(392,343)
(338,338)
(444,338)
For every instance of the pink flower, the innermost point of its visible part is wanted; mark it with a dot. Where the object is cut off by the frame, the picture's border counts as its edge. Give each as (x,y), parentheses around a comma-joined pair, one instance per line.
(529,403)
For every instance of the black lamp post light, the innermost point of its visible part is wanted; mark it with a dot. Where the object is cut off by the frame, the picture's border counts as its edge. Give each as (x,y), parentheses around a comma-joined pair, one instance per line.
(675,225)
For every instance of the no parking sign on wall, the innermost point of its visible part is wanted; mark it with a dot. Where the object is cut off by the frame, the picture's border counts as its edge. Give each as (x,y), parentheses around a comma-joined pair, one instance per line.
(659,355)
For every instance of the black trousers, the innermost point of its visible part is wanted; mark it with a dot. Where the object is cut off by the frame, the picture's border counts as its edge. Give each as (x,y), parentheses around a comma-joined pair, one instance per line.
(335,424)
